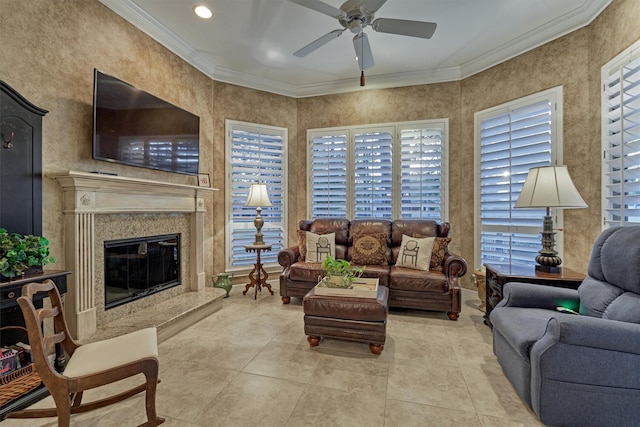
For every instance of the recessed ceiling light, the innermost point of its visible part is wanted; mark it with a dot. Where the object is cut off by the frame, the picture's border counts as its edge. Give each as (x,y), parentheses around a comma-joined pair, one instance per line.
(203,12)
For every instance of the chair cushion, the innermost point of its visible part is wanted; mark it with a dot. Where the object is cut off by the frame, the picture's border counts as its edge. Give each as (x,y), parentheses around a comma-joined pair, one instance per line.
(521,327)
(111,353)
(614,258)
(596,295)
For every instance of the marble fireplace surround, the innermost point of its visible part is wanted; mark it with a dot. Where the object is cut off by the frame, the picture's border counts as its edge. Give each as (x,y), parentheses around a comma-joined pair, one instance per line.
(86,195)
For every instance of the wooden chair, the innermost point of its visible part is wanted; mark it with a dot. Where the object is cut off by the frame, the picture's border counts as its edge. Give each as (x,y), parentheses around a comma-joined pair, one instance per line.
(91,365)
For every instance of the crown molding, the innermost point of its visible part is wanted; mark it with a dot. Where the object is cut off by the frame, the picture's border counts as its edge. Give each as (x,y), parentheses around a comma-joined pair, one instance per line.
(552,30)
(556,28)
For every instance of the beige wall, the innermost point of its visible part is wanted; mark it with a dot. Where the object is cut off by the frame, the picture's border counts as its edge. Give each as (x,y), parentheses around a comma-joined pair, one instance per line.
(49,52)
(254,106)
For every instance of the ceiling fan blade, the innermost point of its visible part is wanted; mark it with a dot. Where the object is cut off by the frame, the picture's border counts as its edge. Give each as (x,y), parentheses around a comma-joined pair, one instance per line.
(405,27)
(371,6)
(318,43)
(321,7)
(363,51)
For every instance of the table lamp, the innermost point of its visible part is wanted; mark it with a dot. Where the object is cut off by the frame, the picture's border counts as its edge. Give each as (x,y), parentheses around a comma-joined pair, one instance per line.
(258,197)
(549,187)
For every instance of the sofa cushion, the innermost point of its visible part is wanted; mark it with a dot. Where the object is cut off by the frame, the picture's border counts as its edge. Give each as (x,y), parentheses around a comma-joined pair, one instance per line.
(415,252)
(380,272)
(438,252)
(306,271)
(302,245)
(319,246)
(408,279)
(370,249)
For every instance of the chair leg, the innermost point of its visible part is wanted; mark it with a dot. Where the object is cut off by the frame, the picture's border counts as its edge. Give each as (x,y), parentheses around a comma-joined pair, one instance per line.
(151,375)
(63,408)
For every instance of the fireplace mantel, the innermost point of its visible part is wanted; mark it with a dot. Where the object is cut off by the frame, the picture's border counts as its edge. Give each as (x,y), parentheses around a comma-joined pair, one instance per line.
(88,194)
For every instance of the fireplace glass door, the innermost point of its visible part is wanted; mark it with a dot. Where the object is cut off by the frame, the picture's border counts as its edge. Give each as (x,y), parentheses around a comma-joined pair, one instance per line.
(135,268)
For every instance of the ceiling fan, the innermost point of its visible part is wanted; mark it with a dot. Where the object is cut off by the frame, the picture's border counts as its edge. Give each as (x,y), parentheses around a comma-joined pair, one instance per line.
(356,15)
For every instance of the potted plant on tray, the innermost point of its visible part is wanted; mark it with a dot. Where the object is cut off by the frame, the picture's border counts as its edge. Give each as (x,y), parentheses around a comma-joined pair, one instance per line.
(19,253)
(340,273)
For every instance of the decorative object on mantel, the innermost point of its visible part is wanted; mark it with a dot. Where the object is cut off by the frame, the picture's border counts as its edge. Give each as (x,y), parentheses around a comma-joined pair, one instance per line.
(204,180)
(258,198)
(223,281)
(19,253)
(549,187)
(340,272)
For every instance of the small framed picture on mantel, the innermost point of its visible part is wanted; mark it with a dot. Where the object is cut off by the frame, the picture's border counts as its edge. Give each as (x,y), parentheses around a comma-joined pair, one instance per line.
(204,180)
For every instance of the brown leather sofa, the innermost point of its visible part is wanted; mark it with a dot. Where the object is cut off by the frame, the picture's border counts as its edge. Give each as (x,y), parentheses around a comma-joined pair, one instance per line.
(408,288)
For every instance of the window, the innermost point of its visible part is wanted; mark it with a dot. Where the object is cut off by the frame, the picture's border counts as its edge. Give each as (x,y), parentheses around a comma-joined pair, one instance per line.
(511,139)
(621,138)
(255,153)
(379,171)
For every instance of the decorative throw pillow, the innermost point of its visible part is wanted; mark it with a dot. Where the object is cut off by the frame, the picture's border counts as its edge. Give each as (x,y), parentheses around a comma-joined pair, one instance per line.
(319,246)
(369,249)
(415,252)
(302,245)
(438,252)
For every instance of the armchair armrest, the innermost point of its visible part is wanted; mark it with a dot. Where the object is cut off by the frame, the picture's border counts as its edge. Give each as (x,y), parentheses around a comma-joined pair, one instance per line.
(597,333)
(288,256)
(515,294)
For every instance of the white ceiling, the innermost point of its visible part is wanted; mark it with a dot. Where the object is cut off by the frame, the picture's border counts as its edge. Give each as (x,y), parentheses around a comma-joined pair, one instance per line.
(251,42)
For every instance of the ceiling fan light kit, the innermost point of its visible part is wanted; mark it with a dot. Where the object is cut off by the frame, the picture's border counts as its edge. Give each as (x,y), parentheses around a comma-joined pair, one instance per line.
(356,15)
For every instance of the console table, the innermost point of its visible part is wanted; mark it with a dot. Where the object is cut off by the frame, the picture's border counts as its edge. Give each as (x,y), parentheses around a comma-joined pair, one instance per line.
(499,274)
(258,269)
(11,315)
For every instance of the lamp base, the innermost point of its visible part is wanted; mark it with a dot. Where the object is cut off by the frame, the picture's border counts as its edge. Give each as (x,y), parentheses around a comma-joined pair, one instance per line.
(548,269)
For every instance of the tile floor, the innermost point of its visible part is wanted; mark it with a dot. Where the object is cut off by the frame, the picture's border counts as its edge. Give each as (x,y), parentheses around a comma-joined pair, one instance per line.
(249,364)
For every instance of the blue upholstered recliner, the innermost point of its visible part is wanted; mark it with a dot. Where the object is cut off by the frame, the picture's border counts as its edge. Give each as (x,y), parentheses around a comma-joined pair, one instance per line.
(578,370)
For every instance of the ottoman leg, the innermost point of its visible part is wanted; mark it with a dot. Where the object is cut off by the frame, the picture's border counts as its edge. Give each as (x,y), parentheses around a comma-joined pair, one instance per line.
(376,348)
(313,340)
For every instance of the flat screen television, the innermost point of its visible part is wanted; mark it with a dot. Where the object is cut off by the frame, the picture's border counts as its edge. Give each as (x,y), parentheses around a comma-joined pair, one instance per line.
(133,127)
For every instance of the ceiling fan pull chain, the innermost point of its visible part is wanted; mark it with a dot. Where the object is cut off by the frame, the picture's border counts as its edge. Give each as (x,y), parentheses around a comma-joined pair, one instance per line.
(362,78)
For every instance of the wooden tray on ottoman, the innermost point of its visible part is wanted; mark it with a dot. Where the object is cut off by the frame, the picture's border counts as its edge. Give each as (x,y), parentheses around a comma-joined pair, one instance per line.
(362,288)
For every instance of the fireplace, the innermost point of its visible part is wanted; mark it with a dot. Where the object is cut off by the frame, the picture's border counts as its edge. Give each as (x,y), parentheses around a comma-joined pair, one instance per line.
(99,208)
(137,268)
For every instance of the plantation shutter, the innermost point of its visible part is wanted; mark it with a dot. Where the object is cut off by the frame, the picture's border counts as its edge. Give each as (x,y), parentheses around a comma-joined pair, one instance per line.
(373,178)
(511,142)
(329,176)
(257,155)
(621,143)
(421,192)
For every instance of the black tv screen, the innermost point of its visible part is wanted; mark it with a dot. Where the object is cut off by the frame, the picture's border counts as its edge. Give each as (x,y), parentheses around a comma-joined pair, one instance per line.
(133,127)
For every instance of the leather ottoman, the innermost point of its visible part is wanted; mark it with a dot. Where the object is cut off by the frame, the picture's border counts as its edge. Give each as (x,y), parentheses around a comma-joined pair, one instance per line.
(349,318)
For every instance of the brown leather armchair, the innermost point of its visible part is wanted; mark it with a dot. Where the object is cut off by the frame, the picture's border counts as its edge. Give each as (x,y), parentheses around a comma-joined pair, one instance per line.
(437,289)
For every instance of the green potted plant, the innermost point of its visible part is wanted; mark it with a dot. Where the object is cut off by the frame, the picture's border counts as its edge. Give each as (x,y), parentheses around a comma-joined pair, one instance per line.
(339,272)
(19,253)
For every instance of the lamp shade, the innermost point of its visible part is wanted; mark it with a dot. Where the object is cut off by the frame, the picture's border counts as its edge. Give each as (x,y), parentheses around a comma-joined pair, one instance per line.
(549,187)
(258,196)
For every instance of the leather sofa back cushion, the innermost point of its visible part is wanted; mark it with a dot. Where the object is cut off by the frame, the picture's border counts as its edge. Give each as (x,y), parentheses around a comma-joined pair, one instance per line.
(413,227)
(338,226)
(369,226)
